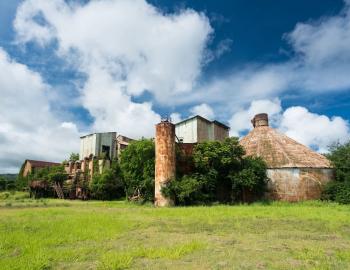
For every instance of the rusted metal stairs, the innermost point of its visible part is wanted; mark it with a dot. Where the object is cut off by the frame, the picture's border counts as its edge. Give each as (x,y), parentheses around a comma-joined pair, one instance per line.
(58,190)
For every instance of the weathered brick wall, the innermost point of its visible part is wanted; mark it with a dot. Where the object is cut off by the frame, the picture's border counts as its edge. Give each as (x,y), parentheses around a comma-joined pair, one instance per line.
(186,148)
(165,167)
(297,184)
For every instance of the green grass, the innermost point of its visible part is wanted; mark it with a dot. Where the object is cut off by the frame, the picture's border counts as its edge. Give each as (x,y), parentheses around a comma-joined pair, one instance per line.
(58,234)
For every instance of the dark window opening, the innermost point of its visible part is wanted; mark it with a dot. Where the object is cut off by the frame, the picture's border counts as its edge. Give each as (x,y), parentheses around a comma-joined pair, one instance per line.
(105,150)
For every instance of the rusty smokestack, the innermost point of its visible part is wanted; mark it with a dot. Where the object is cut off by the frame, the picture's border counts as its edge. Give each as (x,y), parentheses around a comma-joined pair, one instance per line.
(165,167)
(260,120)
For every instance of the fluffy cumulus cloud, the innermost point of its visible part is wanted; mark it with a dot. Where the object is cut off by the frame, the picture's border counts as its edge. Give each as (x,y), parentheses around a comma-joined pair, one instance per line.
(320,63)
(203,110)
(124,47)
(314,130)
(28,129)
(175,117)
(317,131)
(240,122)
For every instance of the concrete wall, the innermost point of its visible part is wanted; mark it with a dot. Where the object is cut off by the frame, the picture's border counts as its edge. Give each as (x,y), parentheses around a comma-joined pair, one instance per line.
(297,184)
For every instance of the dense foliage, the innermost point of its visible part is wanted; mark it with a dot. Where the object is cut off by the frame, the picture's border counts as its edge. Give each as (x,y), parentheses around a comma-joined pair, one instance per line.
(339,190)
(108,185)
(137,169)
(220,173)
(74,157)
(7,182)
(54,174)
(217,171)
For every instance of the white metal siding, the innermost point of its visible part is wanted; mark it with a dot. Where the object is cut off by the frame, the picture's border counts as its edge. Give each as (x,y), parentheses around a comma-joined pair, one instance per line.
(92,144)
(87,146)
(197,130)
(187,131)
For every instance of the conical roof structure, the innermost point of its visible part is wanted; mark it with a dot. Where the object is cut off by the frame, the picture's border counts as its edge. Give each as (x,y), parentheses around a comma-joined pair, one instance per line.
(277,149)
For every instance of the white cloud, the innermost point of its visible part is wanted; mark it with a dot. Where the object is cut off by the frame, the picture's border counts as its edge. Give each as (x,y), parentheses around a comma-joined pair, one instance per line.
(114,110)
(318,131)
(314,130)
(203,110)
(124,47)
(28,129)
(175,118)
(241,120)
(321,63)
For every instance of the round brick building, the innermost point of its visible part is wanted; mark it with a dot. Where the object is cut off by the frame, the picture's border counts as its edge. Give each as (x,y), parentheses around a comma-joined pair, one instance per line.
(295,172)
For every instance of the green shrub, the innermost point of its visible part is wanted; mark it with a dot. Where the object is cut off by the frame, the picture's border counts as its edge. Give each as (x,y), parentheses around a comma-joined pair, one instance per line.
(137,169)
(340,157)
(108,185)
(220,173)
(3,183)
(250,182)
(186,191)
(337,191)
(74,157)
(4,195)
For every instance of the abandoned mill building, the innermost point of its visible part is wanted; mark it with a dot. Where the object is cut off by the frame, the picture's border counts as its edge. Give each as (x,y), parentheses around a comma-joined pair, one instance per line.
(295,172)
(185,134)
(98,144)
(198,129)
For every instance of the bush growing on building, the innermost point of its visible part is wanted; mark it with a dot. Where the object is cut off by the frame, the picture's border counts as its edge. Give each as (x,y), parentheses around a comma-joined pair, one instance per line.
(56,174)
(41,180)
(74,157)
(339,190)
(108,185)
(53,174)
(221,173)
(137,169)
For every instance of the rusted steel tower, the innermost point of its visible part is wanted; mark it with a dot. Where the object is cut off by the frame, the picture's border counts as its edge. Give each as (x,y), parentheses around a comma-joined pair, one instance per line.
(165,167)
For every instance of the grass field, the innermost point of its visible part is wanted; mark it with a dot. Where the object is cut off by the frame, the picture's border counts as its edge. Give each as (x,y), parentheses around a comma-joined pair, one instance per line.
(57,234)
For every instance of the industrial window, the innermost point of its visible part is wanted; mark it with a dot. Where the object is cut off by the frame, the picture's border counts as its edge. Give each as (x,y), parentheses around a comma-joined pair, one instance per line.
(105,150)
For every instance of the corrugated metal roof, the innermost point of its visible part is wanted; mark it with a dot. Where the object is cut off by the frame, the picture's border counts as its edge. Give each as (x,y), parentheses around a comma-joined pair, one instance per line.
(40,164)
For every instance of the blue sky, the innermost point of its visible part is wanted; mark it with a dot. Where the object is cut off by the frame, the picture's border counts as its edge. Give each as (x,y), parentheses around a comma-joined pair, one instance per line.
(121,65)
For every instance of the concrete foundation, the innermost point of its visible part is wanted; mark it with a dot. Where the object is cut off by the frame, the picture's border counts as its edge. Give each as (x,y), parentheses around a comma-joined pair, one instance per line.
(165,163)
